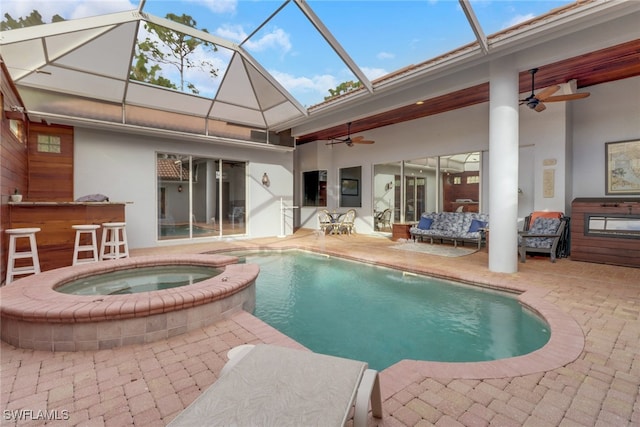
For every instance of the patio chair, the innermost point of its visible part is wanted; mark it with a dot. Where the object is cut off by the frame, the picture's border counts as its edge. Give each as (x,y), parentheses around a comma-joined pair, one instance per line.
(383,221)
(346,222)
(237,215)
(270,385)
(543,236)
(325,222)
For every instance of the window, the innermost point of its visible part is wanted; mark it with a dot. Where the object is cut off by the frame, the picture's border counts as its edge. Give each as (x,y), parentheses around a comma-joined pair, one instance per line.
(474,179)
(627,226)
(457,180)
(314,184)
(350,194)
(48,143)
(17,128)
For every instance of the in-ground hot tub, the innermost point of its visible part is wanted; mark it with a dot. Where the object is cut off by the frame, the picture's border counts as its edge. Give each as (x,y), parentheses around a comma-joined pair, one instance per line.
(35,316)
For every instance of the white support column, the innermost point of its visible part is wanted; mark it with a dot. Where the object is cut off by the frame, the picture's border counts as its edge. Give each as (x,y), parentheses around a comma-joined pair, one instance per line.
(503,165)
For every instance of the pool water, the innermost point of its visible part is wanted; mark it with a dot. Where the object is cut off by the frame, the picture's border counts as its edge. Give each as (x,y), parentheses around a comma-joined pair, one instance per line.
(137,280)
(382,316)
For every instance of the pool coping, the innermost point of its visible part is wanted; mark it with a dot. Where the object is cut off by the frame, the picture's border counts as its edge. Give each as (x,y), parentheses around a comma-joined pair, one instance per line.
(566,341)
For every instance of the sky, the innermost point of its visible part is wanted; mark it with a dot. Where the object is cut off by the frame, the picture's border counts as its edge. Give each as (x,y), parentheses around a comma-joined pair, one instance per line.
(381,36)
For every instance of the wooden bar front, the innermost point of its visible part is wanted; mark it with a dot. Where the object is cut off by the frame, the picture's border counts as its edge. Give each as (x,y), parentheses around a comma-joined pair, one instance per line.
(603,249)
(56,239)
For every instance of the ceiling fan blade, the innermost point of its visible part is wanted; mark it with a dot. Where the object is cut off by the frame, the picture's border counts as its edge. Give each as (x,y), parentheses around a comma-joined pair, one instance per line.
(568,97)
(540,107)
(361,141)
(547,92)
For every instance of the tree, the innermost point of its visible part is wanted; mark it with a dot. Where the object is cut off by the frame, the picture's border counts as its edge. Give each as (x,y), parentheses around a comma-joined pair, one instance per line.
(33,19)
(179,54)
(141,73)
(342,88)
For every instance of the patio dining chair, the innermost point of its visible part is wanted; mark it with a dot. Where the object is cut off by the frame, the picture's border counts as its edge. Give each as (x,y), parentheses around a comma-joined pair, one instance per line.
(346,222)
(324,221)
(237,215)
(383,221)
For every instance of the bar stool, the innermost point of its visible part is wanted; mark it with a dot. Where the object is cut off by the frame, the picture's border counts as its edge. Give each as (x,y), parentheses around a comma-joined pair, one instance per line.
(32,253)
(114,238)
(89,229)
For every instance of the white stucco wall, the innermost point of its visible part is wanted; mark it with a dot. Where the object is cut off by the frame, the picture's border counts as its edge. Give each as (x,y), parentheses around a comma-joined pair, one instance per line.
(611,113)
(123,167)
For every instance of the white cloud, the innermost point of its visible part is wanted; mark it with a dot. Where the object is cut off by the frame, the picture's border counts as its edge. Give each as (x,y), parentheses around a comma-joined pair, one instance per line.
(385,55)
(307,90)
(231,32)
(218,6)
(276,39)
(518,19)
(374,73)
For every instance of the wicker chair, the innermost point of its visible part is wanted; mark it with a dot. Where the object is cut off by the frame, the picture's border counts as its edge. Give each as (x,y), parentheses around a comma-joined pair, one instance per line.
(324,221)
(346,222)
(383,220)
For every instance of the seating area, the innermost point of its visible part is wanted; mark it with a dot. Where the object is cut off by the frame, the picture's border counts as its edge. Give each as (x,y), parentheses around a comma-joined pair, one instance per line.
(23,259)
(544,233)
(458,227)
(337,222)
(272,385)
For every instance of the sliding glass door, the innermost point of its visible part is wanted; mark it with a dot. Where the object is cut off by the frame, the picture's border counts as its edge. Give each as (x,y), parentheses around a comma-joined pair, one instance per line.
(427,184)
(199,197)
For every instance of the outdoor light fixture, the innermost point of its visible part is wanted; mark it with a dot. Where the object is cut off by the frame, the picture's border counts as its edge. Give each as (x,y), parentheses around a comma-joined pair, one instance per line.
(265,180)
(179,188)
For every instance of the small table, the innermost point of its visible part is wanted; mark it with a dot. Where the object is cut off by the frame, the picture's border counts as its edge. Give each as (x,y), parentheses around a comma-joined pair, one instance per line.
(335,220)
(276,386)
(400,230)
(335,216)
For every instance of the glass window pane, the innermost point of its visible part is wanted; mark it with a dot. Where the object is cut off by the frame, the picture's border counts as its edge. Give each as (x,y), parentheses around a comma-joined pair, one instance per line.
(172,172)
(314,184)
(234,197)
(204,220)
(350,187)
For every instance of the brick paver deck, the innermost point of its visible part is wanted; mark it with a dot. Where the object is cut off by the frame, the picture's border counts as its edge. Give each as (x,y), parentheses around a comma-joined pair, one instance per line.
(150,384)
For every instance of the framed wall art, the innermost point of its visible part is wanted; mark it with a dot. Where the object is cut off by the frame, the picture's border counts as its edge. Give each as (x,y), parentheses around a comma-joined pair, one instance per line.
(622,167)
(349,187)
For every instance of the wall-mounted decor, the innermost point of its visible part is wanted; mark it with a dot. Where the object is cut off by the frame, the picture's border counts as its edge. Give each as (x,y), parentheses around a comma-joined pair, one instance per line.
(622,167)
(349,187)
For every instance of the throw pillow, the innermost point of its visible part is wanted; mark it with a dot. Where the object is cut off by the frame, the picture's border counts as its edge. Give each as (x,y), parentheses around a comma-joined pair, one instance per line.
(476,226)
(425,223)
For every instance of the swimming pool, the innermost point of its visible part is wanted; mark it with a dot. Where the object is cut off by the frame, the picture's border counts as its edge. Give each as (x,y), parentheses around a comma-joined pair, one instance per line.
(382,316)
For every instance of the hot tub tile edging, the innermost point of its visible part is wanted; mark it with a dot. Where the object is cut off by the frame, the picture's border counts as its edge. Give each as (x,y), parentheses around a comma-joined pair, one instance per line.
(74,314)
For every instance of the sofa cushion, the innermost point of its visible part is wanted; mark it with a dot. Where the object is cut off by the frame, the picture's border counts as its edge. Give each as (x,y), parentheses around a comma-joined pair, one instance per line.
(476,225)
(425,223)
(541,226)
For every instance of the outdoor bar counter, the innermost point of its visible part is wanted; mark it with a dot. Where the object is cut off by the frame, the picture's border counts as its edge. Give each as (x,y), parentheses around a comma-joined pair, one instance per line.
(56,239)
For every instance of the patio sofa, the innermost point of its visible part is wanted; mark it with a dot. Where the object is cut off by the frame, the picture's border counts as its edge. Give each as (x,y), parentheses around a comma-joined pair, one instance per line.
(455,226)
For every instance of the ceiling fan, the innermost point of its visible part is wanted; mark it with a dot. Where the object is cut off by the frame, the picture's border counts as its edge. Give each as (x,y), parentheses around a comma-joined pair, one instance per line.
(536,102)
(350,141)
